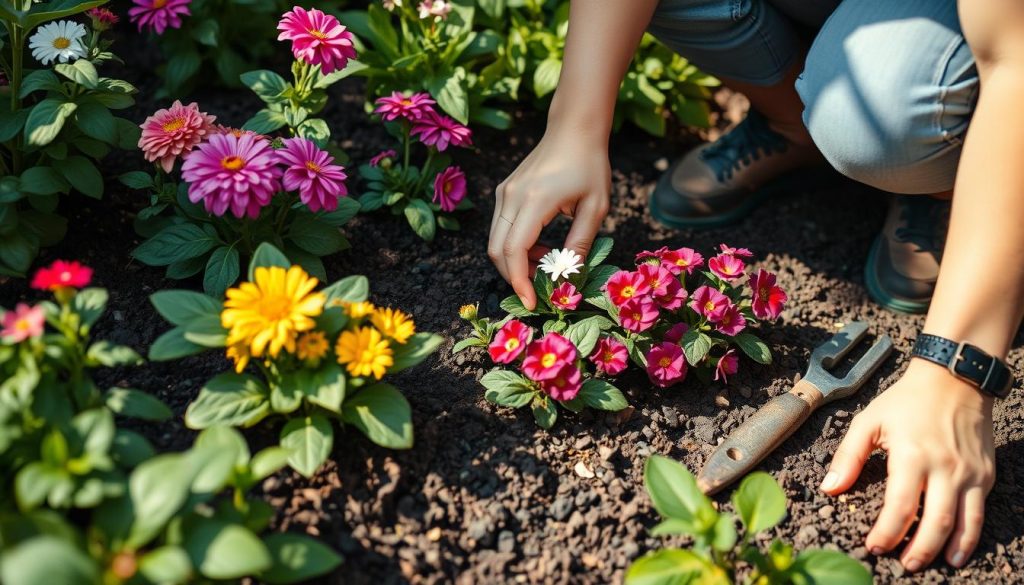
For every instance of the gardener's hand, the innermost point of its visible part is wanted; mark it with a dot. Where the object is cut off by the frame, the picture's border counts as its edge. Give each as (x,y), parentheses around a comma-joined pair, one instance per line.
(937,431)
(563,175)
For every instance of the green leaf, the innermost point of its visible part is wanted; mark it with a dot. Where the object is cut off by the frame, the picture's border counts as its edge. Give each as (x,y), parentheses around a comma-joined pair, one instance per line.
(451,95)
(760,502)
(675,495)
(175,243)
(310,441)
(82,72)
(669,567)
(181,307)
(585,334)
(347,209)
(316,130)
(222,271)
(137,180)
(602,395)
(513,305)
(167,564)
(545,77)
(383,414)
(269,86)
(755,349)
(352,68)
(229,399)
(158,489)
(96,121)
(696,345)
(414,351)
(130,449)
(46,120)
(544,411)
(181,68)
(596,279)
(724,533)
(90,303)
(421,219)
(351,289)
(298,558)
(827,567)
(136,404)
(206,32)
(267,255)
(268,462)
(316,237)
(56,9)
(107,354)
(599,252)
(33,562)
(173,346)
(266,121)
(222,551)
(39,80)
(43,181)
(507,388)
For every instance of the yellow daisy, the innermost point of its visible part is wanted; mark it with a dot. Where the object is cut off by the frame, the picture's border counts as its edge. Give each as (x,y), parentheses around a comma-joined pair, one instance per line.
(359,310)
(394,324)
(312,346)
(267,315)
(239,353)
(364,352)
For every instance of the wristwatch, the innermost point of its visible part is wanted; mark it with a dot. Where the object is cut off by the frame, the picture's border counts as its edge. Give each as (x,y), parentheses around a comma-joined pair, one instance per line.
(967,362)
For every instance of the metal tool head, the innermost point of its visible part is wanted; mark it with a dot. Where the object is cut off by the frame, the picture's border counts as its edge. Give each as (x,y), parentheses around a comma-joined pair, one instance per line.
(826,356)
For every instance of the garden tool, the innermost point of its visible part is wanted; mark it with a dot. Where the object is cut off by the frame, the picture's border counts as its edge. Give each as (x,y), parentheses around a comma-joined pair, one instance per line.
(767,428)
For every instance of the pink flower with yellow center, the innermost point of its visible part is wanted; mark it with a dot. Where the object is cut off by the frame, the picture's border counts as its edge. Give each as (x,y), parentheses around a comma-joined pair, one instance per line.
(709,303)
(658,279)
(638,314)
(24,322)
(449,188)
(610,356)
(769,299)
(312,172)
(738,252)
(676,332)
(727,267)
(232,173)
(546,356)
(625,285)
(566,297)
(397,105)
(732,322)
(510,341)
(674,297)
(381,156)
(62,275)
(317,38)
(666,364)
(158,15)
(565,384)
(728,365)
(441,131)
(683,259)
(174,132)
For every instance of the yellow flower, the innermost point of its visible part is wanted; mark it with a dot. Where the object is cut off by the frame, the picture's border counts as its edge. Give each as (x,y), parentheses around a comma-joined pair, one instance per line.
(312,346)
(468,312)
(359,310)
(394,324)
(239,353)
(364,352)
(268,314)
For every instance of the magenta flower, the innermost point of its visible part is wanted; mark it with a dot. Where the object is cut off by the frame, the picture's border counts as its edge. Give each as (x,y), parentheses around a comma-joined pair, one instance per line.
(658,279)
(397,105)
(158,15)
(546,356)
(676,332)
(610,356)
(174,132)
(510,341)
(732,321)
(666,364)
(317,38)
(312,172)
(674,297)
(381,156)
(449,188)
(739,252)
(709,303)
(651,256)
(22,323)
(62,274)
(769,299)
(441,131)
(228,172)
(728,365)
(727,266)
(565,384)
(625,285)
(638,314)
(566,297)
(676,261)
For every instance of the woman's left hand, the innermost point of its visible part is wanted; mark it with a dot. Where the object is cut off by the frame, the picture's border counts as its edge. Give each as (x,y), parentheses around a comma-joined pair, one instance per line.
(937,431)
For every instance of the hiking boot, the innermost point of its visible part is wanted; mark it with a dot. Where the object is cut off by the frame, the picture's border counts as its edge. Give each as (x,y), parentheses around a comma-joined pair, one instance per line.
(722,182)
(903,264)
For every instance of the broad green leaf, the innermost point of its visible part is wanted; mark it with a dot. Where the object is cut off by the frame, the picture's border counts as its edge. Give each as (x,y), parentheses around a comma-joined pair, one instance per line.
(158,489)
(46,120)
(418,348)
(602,395)
(136,404)
(229,399)
(696,346)
(266,121)
(316,237)
(507,388)
(267,255)
(47,559)
(585,334)
(104,353)
(175,243)
(421,219)
(90,304)
(181,307)
(269,86)
(43,181)
(268,461)
(130,449)
(172,345)
(513,305)
(544,411)
(222,271)
(671,567)
(310,441)
(298,558)
(599,252)
(222,551)
(167,564)
(675,494)
(760,502)
(351,289)
(82,72)
(827,567)
(383,414)
(755,349)
(545,77)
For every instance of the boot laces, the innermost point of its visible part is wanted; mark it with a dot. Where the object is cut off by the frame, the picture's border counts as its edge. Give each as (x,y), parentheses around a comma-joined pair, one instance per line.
(750,140)
(924,223)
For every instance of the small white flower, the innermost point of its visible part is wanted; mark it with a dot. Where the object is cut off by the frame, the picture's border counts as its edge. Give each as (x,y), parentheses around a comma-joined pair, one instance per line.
(58,41)
(390,5)
(439,9)
(561,263)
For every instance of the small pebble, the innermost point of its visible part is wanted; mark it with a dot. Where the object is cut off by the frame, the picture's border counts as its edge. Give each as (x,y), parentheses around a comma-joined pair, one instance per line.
(826,511)
(583,471)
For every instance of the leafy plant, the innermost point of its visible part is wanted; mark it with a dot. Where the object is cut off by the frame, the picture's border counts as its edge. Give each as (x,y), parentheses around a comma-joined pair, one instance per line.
(718,550)
(318,356)
(55,121)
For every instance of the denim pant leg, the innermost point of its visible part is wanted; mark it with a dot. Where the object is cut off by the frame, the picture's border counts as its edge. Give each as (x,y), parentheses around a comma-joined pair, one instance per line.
(889,89)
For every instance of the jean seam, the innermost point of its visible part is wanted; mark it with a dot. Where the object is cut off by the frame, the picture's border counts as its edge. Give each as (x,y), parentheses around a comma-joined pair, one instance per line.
(940,72)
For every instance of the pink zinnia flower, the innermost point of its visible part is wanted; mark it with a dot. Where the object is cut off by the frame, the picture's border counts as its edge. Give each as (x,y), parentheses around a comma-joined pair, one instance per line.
(610,356)
(159,15)
(625,285)
(398,105)
(666,364)
(740,252)
(727,266)
(102,19)
(566,297)
(312,172)
(510,341)
(676,261)
(174,132)
(565,384)
(233,173)
(769,299)
(440,131)
(62,274)
(709,303)
(22,323)
(728,365)
(317,38)
(676,332)
(638,314)
(376,160)
(449,188)
(546,356)
(732,321)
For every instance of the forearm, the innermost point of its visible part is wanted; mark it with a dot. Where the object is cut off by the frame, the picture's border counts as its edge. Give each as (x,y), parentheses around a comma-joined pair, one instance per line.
(602,38)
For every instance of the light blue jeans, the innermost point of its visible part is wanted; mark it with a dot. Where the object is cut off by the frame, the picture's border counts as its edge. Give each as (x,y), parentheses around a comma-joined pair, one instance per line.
(888,86)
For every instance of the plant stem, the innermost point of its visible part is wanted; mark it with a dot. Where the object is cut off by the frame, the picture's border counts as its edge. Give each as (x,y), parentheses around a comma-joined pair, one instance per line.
(17,38)
(424,173)
(406,129)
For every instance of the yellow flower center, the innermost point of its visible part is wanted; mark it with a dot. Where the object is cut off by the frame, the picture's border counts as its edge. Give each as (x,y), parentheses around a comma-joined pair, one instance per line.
(22,325)
(564,299)
(764,291)
(313,166)
(638,316)
(157,4)
(548,360)
(511,345)
(317,33)
(446,187)
(609,356)
(665,362)
(682,263)
(406,102)
(628,291)
(174,125)
(232,163)
(709,306)
(61,43)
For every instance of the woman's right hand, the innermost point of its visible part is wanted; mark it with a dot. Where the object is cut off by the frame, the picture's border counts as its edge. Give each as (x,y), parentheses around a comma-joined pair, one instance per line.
(565,174)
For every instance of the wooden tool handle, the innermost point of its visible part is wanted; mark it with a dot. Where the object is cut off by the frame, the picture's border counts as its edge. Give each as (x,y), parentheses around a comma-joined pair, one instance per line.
(758,436)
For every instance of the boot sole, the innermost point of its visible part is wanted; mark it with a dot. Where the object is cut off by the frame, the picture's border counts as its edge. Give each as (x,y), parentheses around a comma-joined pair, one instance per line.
(878,294)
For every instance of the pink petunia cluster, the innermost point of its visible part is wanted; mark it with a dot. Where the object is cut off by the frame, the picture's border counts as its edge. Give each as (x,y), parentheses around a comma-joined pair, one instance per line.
(158,15)
(318,38)
(549,361)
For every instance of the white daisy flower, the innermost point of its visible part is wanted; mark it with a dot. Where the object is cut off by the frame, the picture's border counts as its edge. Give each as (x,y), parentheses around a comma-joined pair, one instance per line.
(58,41)
(561,263)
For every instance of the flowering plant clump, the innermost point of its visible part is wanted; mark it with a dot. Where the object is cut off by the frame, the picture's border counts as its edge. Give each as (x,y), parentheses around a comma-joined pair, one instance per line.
(426,195)
(666,317)
(310,356)
(56,119)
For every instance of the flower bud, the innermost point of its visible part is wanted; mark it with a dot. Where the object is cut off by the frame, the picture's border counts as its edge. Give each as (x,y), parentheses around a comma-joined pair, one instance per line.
(468,312)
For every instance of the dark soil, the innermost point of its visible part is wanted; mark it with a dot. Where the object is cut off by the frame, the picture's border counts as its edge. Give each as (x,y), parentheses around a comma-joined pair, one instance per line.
(486,496)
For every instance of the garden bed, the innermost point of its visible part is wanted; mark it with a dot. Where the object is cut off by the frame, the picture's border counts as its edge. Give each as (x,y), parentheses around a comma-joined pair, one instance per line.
(487,497)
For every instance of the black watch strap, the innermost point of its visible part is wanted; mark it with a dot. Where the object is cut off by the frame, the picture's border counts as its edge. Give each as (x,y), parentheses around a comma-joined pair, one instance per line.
(967,362)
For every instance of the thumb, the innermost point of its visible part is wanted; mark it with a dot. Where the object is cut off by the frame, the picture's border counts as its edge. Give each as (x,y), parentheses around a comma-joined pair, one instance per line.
(590,214)
(851,456)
